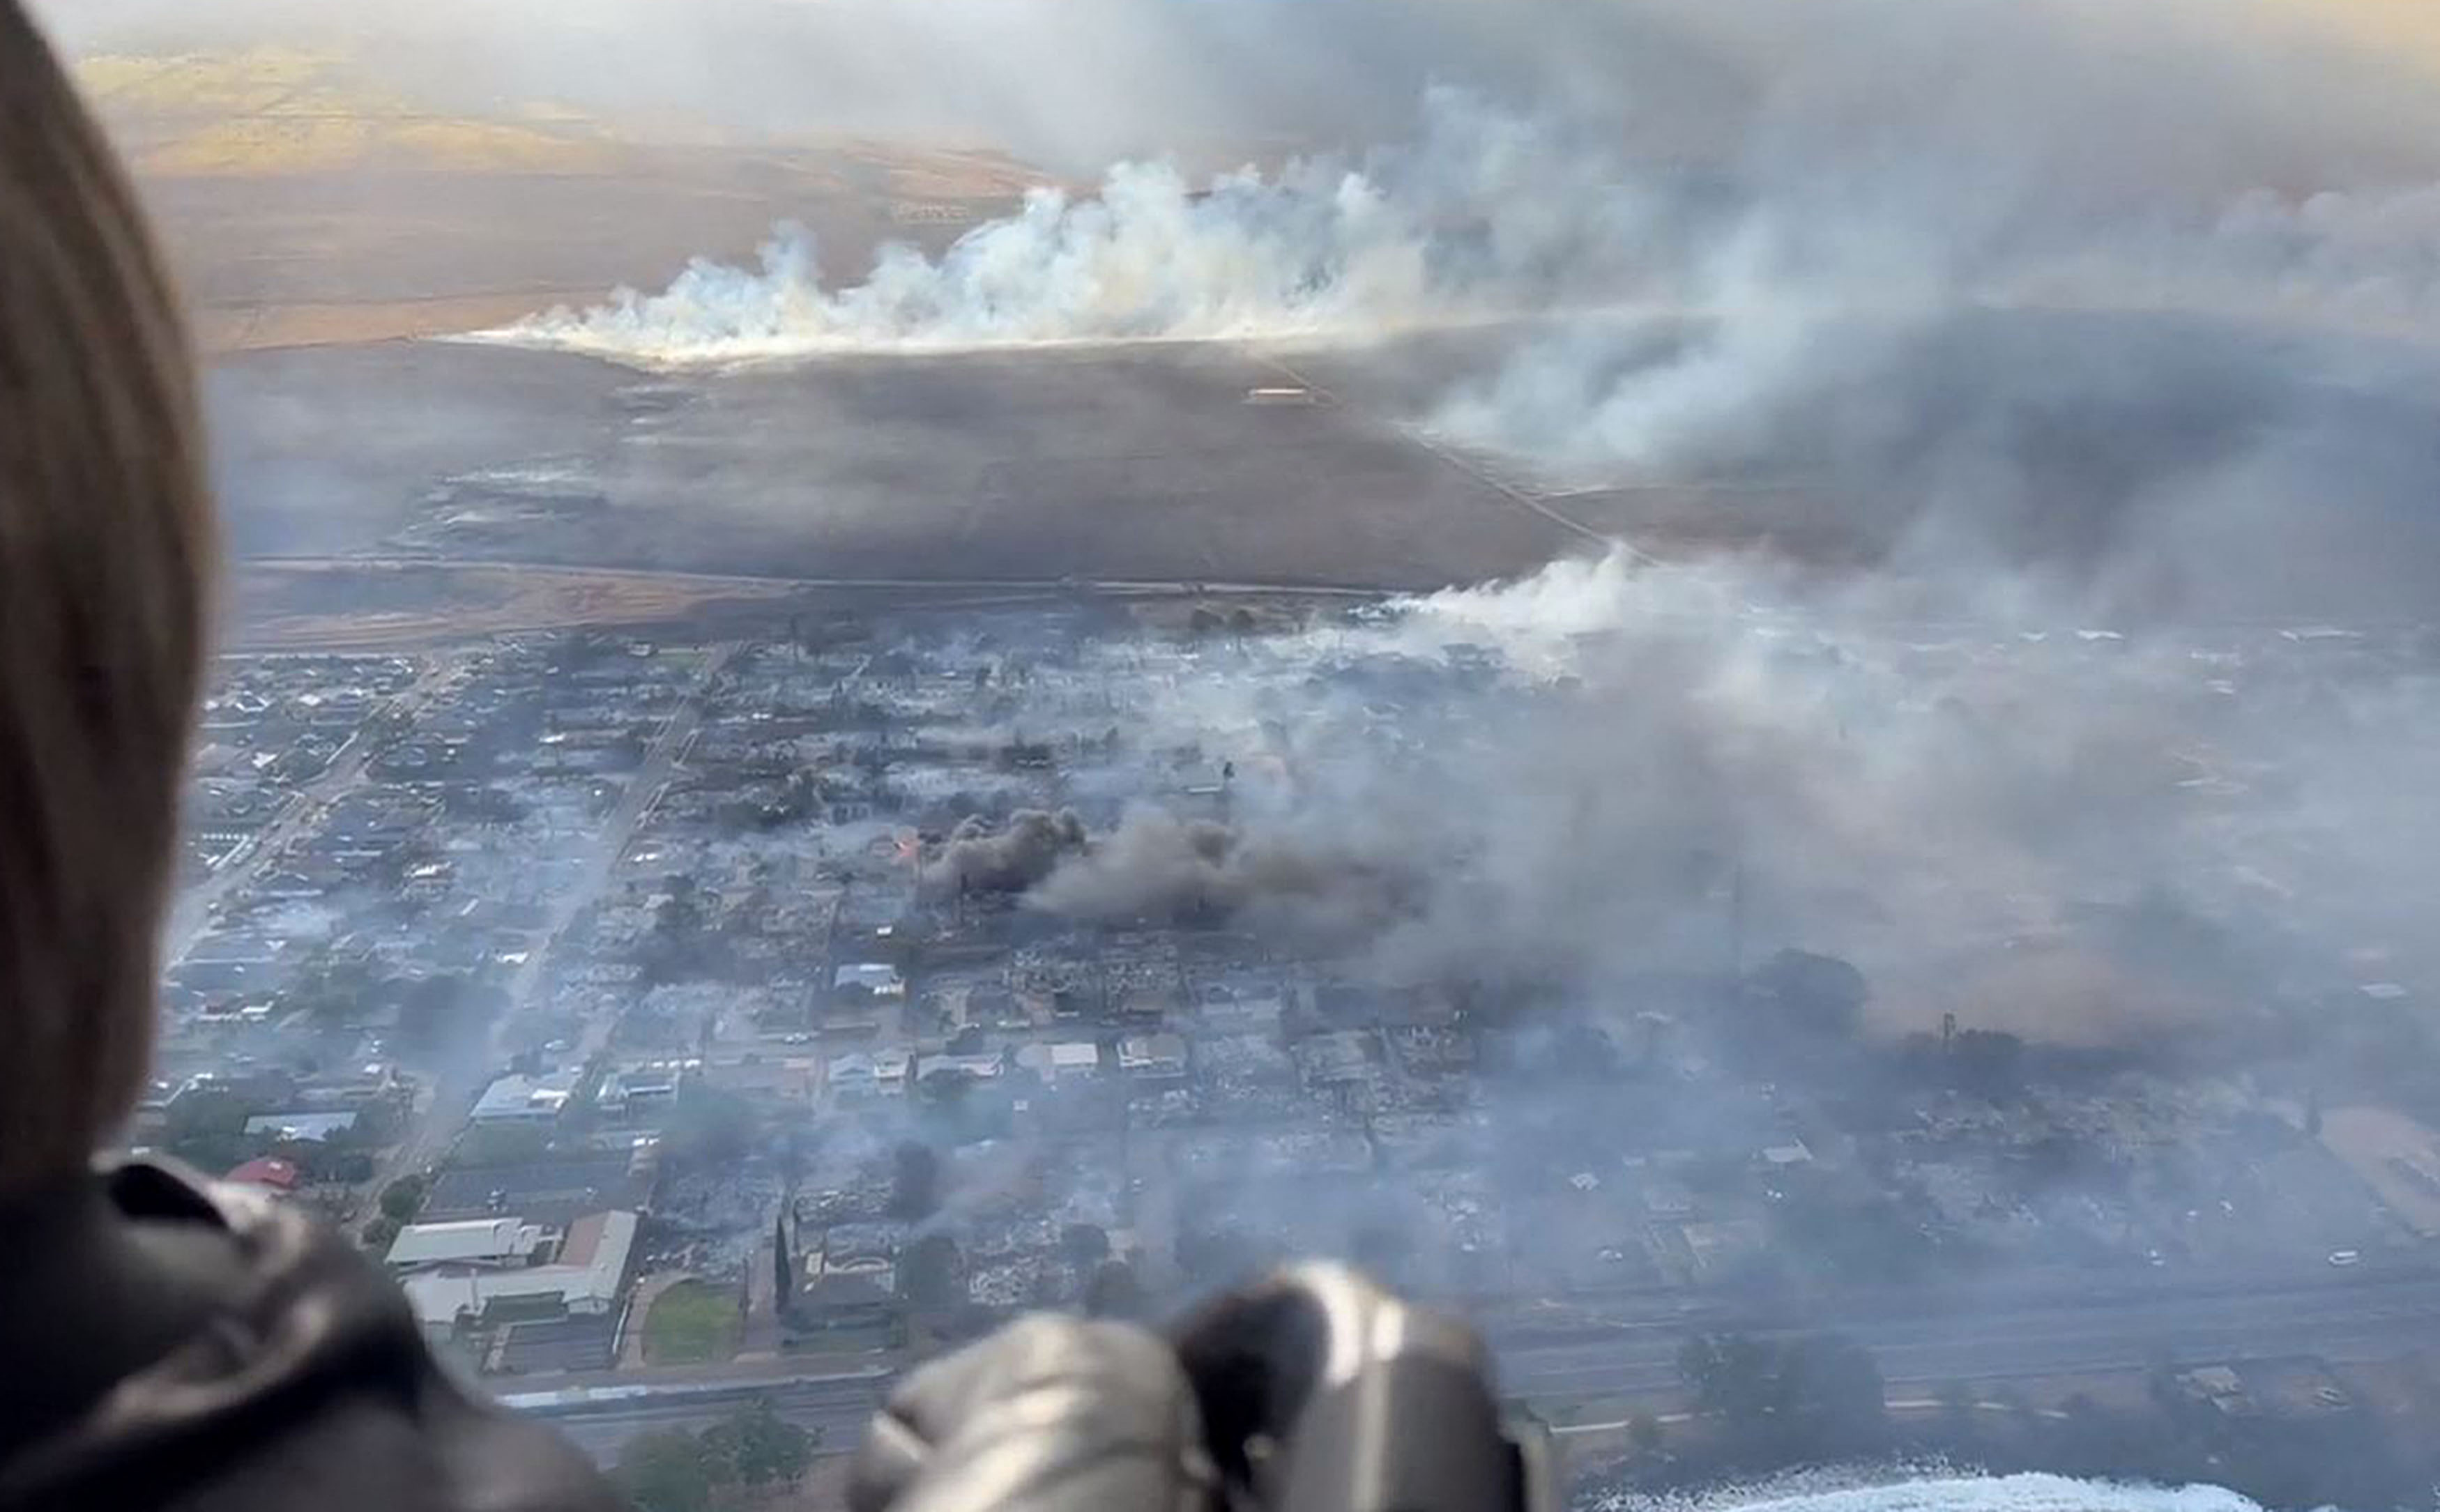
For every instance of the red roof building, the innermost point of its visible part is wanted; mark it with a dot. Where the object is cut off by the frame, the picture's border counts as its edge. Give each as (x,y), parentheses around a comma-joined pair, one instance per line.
(271,1175)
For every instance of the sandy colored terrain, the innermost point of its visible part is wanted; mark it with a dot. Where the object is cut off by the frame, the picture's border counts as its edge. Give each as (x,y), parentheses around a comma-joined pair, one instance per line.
(304,207)
(231,327)
(325,608)
(2397,1156)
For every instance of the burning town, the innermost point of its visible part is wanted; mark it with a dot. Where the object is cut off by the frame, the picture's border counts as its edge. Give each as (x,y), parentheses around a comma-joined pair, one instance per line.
(1751,696)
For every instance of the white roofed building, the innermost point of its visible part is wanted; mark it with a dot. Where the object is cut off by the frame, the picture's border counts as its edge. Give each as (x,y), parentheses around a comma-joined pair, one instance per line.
(585,1278)
(468,1244)
(516,1099)
(1065,1061)
(878,978)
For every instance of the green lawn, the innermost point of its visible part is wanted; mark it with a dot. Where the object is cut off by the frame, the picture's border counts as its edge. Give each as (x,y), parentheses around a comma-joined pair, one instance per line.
(690,1324)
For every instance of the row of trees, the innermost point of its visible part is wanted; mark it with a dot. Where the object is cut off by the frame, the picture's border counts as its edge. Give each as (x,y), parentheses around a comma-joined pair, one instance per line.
(205,1127)
(400,1201)
(749,1453)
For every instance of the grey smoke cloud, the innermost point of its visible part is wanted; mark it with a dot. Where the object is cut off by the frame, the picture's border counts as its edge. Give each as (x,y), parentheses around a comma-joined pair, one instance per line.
(2002,815)
(2081,314)
(1296,879)
(1889,152)
(979,858)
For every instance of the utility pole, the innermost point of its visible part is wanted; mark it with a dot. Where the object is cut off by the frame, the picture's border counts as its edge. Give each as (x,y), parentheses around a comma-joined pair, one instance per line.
(1737,922)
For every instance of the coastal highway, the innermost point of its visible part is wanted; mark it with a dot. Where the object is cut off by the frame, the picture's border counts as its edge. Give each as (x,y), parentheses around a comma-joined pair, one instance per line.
(2343,1320)
(2379,1319)
(837,1406)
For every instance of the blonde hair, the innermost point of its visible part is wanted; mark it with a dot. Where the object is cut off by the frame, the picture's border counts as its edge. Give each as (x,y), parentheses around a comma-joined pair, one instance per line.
(105,560)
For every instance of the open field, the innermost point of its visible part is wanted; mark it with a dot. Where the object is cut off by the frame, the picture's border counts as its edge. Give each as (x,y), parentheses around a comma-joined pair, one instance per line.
(307,259)
(1147,463)
(391,604)
(303,203)
(329,607)
(320,224)
(690,1323)
(1135,462)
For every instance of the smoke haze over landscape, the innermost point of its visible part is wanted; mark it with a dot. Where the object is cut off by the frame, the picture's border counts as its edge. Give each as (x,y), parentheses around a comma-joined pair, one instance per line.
(1615,524)
(2053,285)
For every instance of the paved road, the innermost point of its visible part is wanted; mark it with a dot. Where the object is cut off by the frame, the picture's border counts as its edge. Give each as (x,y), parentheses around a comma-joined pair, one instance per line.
(444,1115)
(643,792)
(192,914)
(837,1408)
(2345,1322)
(2377,1319)
(1120,587)
(1524,499)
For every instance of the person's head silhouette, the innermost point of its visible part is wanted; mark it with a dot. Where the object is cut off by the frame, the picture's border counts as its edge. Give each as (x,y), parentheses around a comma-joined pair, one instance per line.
(169,1343)
(105,546)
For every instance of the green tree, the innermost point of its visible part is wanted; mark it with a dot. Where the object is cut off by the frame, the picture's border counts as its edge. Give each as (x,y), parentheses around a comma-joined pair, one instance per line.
(1810,993)
(1731,1375)
(428,1007)
(1816,1395)
(380,1234)
(678,943)
(928,1273)
(709,1128)
(204,1111)
(915,1182)
(760,1446)
(332,987)
(1830,1394)
(1989,1063)
(403,1198)
(1116,1292)
(1085,1244)
(1644,1430)
(668,1470)
(205,1128)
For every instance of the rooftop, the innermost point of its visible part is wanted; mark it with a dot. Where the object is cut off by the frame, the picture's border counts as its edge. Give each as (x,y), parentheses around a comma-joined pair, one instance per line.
(266,1172)
(587,1279)
(303,1129)
(530,1098)
(465,1241)
(878,978)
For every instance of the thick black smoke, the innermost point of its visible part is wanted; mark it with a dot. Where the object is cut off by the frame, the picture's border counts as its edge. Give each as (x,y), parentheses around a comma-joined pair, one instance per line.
(1024,851)
(1301,881)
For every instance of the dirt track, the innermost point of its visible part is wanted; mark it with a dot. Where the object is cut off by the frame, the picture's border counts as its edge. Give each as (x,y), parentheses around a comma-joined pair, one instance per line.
(372,605)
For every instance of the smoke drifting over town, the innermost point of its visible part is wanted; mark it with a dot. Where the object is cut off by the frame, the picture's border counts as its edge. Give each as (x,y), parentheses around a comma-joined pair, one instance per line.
(2086,333)
(1687,764)
(1009,859)
(1934,797)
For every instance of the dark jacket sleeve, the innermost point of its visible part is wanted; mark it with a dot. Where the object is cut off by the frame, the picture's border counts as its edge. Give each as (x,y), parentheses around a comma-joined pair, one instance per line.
(310,1389)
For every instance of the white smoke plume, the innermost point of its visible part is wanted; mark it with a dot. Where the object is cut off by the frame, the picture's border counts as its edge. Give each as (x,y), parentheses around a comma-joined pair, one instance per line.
(1483,210)
(1880,175)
